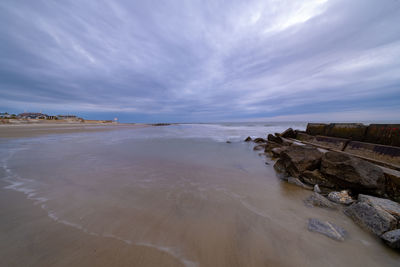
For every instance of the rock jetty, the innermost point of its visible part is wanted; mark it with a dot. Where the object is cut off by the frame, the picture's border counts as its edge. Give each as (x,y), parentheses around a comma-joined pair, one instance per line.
(351,166)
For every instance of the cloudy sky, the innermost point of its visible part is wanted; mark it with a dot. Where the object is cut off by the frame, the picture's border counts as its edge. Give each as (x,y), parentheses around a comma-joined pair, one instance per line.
(201,61)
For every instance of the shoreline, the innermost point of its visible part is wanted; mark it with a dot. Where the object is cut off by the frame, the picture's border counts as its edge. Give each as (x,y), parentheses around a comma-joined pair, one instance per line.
(218,205)
(8,131)
(342,180)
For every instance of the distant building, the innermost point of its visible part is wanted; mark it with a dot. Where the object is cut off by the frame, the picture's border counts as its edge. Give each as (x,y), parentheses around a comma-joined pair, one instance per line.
(32,115)
(4,115)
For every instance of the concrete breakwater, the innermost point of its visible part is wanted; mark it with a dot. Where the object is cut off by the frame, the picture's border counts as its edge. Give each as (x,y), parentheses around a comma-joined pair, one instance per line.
(377,142)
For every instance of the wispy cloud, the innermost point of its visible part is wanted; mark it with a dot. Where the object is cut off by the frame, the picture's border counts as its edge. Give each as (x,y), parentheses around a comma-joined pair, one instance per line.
(201,60)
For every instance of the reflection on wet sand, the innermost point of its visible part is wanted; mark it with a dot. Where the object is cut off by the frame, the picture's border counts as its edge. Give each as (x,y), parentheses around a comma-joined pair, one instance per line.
(104,199)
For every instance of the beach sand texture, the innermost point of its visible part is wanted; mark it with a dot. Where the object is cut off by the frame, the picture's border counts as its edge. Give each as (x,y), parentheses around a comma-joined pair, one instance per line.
(154,197)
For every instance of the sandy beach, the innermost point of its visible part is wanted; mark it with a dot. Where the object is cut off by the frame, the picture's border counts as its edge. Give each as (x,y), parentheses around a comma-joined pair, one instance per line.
(161,196)
(36,129)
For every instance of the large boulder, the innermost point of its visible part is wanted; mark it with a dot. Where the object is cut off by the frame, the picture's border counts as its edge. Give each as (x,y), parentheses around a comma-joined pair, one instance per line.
(277,151)
(298,159)
(274,138)
(385,204)
(392,238)
(271,145)
(289,133)
(354,173)
(316,178)
(377,215)
(327,228)
(280,168)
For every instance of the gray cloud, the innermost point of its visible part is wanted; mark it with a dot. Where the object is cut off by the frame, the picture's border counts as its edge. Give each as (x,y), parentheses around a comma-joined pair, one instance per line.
(200,60)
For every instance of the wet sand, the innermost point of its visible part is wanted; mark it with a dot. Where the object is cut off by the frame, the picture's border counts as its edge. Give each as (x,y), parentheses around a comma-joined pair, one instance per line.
(37,129)
(120,198)
(30,238)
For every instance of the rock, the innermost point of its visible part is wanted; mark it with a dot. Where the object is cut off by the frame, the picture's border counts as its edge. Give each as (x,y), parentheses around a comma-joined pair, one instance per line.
(298,159)
(341,197)
(393,208)
(228,142)
(260,140)
(276,152)
(271,145)
(326,228)
(276,139)
(296,181)
(350,172)
(289,133)
(392,187)
(315,177)
(371,216)
(280,168)
(392,238)
(317,200)
(259,147)
(317,189)
(248,139)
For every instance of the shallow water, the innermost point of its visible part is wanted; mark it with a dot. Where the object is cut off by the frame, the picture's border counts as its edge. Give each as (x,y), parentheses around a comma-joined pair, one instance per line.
(180,191)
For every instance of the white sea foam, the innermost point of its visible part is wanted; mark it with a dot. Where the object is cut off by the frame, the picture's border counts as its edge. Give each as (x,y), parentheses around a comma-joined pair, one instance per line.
(222,132)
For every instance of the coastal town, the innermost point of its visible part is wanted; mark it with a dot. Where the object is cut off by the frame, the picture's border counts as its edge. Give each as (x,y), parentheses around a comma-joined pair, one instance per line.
(38,117)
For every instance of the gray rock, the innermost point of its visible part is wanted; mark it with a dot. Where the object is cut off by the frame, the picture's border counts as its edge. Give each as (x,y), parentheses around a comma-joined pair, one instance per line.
(350,172)
(326,228)
(317,200)
(298,159)
(317,189)
(315,177)
(392,238)
(371,218)
(393,208)
(341,197)
(296,181)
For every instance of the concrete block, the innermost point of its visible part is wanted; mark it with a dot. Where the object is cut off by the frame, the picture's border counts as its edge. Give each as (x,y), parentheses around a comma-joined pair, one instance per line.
(316,128)
(389,154)
(384,134)
(330,142)
(353,131)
